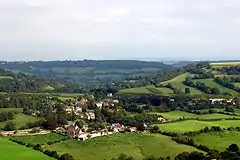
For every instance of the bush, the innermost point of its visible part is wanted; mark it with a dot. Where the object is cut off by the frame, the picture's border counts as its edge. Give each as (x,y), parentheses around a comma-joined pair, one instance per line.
(66,157)
(9,127)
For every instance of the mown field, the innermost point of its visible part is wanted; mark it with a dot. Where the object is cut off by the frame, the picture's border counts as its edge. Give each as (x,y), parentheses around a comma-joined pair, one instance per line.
(210,83)
(237,84)
(195,125)
(139,90)
(17,110)
(40,139)
(21,120)
(178,83)
(5,77)
(13,151)
(224,64)
(107,147)
(147,90)
(182,114)
(218,140)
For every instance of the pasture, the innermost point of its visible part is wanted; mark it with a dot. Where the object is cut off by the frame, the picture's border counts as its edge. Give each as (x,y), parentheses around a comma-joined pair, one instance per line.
(218,140)
(13,151)
(16,110)
(225,64)
(178,83)
(5,77)
(195,125)
(139,90)
(210,83)
(21,120)
(40,139)
(181,114)
(107,147)
(237,85)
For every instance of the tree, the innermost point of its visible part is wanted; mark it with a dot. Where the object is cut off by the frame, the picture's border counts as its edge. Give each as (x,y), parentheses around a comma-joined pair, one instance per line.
(155,129)
(80,123)
(187,91)
(66,157)
(215,90)
(123,157)
(233,148)
(229,109)
(9,127)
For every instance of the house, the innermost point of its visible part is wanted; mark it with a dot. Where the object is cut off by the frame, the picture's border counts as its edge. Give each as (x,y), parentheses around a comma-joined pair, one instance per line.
(109,95)
(162,119)
(90,116)
(73,131)
(131,129)
(83,102)
(77,110)
(69,109)
(83,136)
(110,102)
(219,100)
(99,104)
(117,127)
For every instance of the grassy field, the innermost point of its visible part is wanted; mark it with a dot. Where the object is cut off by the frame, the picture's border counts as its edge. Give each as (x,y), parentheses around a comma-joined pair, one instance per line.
(139,90)
(195,125)
(178,83)
(40,139)
(48,88)
(21,120)
(17,110)
(136,145)
(12,151)
(210,83)
(237,85)
(162,90)
(147,90)
(6,77)
(218,140)
(225,64)
(182,114)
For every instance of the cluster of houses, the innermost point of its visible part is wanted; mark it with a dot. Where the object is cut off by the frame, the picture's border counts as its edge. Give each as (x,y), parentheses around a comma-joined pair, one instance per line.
(80,133)
(221,100)
(78,108)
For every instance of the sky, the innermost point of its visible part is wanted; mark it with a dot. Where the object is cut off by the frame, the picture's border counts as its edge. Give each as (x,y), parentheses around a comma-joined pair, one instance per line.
(124,29)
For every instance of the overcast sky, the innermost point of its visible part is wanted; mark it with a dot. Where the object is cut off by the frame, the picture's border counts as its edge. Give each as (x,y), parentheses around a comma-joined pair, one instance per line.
(119,29)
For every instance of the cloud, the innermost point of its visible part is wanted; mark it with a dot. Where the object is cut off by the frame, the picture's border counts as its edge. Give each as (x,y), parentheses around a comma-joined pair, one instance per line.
(101,28)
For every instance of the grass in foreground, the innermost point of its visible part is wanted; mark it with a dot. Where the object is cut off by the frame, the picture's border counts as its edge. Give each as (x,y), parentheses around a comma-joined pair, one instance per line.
(21,120)
(12,151)
(40,139)
(218,140)
(195,125)
(136,145)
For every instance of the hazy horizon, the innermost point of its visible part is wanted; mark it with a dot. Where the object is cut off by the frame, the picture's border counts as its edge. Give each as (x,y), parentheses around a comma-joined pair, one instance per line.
(106,29)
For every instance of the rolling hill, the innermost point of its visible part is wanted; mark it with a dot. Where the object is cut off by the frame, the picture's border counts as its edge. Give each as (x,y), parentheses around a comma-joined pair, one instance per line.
(87,71)
(198,76)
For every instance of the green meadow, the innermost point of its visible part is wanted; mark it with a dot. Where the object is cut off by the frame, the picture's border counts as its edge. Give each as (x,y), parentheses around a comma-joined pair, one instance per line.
(13,151)
(136,145)
(218,140)
(195,125)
